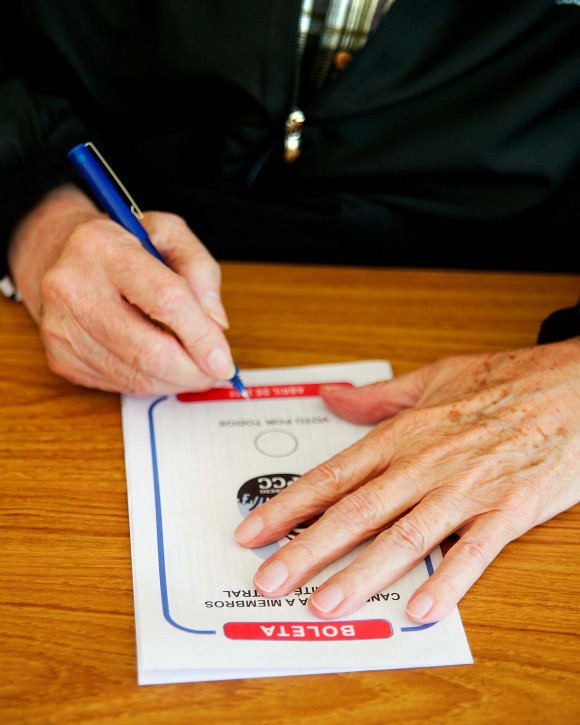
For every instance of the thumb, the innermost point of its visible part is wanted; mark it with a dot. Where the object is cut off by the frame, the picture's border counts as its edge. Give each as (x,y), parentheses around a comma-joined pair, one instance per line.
(372,403)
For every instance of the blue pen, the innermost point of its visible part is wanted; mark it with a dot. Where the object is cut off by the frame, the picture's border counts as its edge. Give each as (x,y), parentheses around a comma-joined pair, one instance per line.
(84,159)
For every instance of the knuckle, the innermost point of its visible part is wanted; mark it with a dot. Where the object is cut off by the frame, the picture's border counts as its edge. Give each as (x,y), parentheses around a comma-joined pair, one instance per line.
(167,228)
(359,512)
(198,335)
(55,362)
(172,297)
(81,237)
(61,290)
(55,284)
(56,341)
(326,482)
(302,550)
(149,360)
(50,331)
(326,478)
(205,263)
(86,240)
(518,501)
(65,368)
(475,552)
(140,384)
(175,221)
(408,535)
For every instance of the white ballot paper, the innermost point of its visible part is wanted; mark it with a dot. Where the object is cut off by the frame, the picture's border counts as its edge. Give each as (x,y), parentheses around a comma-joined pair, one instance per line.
(196,464)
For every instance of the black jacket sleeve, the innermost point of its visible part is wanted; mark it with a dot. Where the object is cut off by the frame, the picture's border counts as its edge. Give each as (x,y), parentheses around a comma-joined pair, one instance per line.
(36,130)
(560,325)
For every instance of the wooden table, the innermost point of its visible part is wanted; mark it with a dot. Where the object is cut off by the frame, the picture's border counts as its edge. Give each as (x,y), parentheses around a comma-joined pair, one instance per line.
(67,642)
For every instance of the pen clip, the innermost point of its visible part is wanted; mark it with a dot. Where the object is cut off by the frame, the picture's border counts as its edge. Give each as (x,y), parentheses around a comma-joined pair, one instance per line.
(133,206)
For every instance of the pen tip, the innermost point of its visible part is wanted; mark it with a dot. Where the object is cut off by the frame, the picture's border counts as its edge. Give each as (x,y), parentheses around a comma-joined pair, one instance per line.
(236,381)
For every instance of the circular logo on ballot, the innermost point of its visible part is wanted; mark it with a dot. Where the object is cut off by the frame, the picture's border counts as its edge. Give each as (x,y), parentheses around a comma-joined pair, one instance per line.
(258,490)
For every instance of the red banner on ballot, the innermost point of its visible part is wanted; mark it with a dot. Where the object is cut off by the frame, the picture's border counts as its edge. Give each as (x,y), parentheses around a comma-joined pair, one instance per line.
(257,392)
(310,631)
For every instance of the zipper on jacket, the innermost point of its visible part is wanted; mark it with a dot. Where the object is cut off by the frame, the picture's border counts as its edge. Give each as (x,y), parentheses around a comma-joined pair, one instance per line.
(293,135)
(295,119)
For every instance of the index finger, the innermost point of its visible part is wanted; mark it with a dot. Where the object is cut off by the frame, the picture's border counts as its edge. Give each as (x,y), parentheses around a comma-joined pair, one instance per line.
(315,491)
(165,297)
(187,255)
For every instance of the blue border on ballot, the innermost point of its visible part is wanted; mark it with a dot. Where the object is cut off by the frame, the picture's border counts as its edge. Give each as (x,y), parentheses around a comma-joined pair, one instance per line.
(159,524)
(161,544)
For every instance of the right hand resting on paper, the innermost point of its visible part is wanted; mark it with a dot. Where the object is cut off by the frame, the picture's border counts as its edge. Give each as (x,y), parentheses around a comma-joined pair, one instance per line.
(95,292)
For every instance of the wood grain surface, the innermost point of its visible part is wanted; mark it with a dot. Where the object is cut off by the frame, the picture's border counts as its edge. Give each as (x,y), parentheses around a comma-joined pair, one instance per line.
(67,640)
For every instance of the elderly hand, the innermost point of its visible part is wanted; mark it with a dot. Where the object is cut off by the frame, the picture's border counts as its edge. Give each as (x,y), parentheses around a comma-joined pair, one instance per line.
(484,446)
(111,316)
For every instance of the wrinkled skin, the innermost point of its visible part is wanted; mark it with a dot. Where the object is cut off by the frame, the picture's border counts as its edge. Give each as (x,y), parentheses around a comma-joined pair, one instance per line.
(111,316)
(485,446)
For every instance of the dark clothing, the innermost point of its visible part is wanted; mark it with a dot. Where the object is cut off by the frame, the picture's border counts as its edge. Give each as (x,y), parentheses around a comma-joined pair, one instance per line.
(560,325)
(451,140)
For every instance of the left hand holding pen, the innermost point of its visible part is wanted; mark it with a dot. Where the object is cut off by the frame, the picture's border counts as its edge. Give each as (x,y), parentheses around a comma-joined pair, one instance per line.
(484,446)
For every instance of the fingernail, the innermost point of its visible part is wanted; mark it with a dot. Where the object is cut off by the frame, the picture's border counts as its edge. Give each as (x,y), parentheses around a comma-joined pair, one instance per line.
(328,599)
(330,388)
(249,529)
(272,577)
(420,605)
(221,364)
(213,306)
